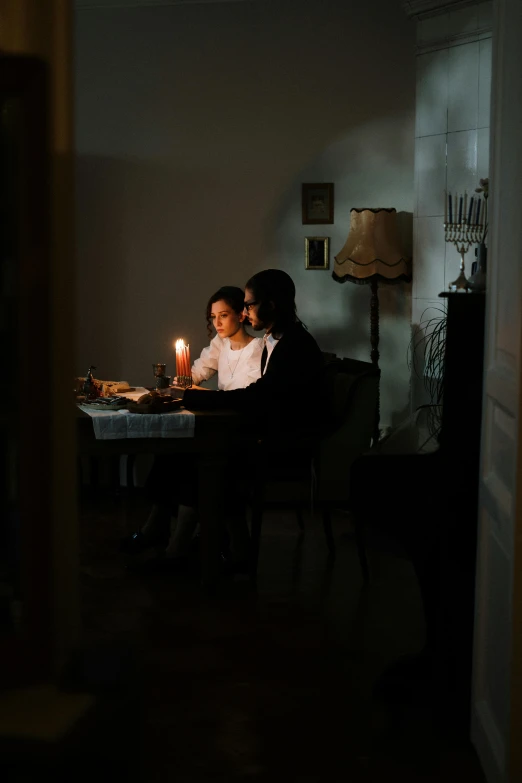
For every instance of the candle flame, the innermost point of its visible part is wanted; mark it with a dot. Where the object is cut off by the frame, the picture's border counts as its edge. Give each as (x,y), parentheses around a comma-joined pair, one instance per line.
(180,345)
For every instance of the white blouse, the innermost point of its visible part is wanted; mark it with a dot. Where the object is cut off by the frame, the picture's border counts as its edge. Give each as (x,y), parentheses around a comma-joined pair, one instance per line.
(235,369)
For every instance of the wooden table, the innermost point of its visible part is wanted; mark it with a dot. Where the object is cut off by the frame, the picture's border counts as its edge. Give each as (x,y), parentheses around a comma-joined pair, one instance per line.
(217,435)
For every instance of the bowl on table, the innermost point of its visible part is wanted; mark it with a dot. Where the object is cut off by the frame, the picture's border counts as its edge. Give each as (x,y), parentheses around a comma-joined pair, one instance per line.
(155,403)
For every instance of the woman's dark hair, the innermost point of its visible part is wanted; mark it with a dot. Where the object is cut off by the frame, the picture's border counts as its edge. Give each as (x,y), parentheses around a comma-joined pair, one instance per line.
(274,290)
(233,296)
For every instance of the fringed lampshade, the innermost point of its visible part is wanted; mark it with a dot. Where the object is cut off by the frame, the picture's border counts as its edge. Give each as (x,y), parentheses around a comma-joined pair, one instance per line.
(372,249)
(371,254)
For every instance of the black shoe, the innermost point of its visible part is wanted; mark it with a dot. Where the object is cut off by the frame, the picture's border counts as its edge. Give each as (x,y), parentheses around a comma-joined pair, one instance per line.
(139,542)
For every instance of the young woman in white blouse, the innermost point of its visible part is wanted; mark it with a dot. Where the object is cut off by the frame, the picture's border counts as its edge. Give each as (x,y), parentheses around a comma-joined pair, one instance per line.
(233,353)
(236,358)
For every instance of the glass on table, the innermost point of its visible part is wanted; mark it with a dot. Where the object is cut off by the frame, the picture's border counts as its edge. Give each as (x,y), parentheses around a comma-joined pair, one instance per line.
(162,380)
(159,369)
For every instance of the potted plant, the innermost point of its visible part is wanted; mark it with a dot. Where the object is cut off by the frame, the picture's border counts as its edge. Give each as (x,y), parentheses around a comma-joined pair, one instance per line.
(426,359)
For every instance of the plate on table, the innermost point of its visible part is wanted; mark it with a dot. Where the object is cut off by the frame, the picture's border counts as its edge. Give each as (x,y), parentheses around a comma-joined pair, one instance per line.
(106,403)
(156,405)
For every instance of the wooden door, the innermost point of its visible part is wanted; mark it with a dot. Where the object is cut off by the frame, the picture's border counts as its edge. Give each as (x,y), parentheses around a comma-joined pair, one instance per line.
(497,676)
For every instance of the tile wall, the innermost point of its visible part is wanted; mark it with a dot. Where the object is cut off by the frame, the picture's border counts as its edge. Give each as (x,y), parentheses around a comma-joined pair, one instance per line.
(451,142)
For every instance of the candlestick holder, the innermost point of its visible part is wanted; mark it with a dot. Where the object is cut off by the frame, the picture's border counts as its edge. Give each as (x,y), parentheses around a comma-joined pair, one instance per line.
(184,381)
(162,380)
(463,236)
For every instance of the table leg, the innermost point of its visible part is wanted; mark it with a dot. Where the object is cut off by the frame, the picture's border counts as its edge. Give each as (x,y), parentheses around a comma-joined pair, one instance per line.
(211,483)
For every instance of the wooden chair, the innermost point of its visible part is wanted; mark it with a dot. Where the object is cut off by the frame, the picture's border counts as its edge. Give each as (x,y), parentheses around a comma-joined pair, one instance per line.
(298,476)
(353,391)
(317,467)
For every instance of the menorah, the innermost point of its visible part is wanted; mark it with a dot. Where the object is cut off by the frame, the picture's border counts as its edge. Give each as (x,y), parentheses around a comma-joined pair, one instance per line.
(465,231)
(462,236)
(183,365)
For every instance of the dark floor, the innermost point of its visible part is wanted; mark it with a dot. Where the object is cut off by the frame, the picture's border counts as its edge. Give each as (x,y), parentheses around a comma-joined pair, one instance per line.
(274,685)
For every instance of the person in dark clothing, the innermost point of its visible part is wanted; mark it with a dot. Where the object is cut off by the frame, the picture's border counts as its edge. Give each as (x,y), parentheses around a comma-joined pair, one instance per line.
(277,401)
(171,486)
(277,404)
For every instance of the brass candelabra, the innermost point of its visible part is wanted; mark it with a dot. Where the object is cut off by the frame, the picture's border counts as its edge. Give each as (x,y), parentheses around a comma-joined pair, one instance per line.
(184,381)
(463,236)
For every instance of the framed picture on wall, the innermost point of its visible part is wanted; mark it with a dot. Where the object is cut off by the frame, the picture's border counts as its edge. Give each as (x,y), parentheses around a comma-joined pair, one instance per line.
(318,202)
(317,252)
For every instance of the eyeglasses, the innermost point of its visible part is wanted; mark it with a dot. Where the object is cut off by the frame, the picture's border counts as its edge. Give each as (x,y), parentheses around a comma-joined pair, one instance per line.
(249,305)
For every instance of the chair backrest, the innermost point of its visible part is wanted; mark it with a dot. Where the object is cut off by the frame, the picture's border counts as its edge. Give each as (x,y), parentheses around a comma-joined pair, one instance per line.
(329,357)
(352,387)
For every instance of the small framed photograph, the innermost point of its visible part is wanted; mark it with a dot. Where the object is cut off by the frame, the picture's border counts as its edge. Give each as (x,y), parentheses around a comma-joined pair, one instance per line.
(317,252)
(318,202)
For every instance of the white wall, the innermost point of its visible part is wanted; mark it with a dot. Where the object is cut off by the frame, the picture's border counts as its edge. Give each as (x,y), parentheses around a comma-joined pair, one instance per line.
(451,142)
(196,125)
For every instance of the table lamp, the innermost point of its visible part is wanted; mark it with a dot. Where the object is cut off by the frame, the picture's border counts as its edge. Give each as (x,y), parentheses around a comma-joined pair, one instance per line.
(371,254)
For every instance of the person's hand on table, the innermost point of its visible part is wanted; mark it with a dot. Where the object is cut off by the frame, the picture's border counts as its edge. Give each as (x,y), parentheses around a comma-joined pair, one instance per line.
(177,391)
(182,389)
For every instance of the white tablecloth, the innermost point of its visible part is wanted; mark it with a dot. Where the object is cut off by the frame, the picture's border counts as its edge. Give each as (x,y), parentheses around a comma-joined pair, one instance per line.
(115,425)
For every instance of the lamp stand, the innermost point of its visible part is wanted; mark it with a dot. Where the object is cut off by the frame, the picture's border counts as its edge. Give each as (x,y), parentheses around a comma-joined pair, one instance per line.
(374,354)
(372,252)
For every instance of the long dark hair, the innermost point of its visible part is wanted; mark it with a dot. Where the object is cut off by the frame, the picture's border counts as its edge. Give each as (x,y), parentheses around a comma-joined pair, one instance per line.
(233,296)
(275,292)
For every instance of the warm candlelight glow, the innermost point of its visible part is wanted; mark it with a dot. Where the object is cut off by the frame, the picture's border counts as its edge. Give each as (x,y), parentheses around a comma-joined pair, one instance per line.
(183,366)
(179,358)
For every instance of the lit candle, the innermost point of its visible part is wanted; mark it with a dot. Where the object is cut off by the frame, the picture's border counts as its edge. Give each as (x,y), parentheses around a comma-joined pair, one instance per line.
(450,209)
(470,212)
(179,358)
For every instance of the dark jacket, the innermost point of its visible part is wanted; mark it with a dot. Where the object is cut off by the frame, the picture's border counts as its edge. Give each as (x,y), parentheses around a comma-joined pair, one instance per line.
(280,399)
